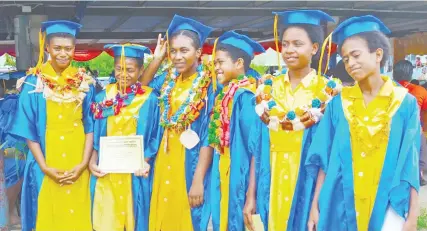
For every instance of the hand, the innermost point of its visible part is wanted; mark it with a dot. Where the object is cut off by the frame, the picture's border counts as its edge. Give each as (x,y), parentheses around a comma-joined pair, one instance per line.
(144,171)
(161,48)
(313,219)
(195,196)
(410,225)
(73,175)
(93,168)
(54,174)
(248,211)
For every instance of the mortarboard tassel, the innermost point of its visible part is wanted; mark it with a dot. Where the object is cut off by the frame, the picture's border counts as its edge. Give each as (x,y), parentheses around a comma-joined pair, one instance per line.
(42,37)
(328,41)
(213,74)
(276,41)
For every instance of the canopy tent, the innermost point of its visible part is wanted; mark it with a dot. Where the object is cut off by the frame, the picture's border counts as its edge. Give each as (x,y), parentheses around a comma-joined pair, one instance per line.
(415,44)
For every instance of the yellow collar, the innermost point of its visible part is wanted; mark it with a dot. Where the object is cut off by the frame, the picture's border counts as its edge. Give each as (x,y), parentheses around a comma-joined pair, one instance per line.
(49,73)
(304,81)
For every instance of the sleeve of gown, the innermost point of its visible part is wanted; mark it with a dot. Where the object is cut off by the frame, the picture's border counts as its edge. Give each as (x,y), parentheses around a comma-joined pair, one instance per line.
(253,123)
(98,123)
(204,136)
(158,81)
(152,134)
(321,145)
(88,121)
(407,169)
(26,113)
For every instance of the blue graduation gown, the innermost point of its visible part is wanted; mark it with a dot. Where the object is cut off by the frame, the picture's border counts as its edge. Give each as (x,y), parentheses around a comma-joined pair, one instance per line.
(201,215)
(331,151)
(13,168)
(245,129)
(30,123)
(304,189)
(148,127)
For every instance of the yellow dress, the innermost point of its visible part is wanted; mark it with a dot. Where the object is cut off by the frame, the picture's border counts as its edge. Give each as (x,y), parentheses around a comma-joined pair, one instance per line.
(369,131)
(113,201)
(170,209)
(285,146)
(64,208)
(224,174)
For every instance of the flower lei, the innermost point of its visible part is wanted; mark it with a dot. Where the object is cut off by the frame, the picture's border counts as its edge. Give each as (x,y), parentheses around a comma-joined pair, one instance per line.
(219,127)
(74,90)
(110,107)
(189,111)
(293,120)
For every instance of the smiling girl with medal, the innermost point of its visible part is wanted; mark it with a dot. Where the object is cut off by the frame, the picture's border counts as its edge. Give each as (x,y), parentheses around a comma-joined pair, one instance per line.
(182,166)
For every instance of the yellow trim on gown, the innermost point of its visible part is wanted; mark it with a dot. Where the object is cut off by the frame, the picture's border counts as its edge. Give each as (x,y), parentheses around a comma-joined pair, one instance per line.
(64,208)
(224,175)
(285,146)
(113,201)
(369,131)
(170,209)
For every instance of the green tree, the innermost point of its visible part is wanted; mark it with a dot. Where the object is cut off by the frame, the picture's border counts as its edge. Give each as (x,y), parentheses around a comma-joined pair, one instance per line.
(104,64)
(10,61)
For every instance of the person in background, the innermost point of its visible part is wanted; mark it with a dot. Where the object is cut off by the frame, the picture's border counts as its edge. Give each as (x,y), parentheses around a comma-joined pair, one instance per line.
(15,150)
(418,62)
(402,73)
(415,82)
(423,76)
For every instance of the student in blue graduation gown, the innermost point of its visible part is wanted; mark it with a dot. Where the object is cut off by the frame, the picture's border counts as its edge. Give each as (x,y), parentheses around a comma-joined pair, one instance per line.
(54,117)
(234,130)
(15,150)
(122,201)
(183,164)
(367,143)
(290,105)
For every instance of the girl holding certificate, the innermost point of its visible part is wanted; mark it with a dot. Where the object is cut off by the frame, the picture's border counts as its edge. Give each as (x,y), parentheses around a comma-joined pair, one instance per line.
(367,143)
(182,167)
(54,116)
(121,201)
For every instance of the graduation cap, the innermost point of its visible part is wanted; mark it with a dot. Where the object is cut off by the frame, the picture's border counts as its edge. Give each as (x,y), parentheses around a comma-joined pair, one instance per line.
(242,42)
(298,17)
(311,17)
(305,17)
(61,26)
(357,25)
(52,27)
(239,41)
(128,50)
(182,23)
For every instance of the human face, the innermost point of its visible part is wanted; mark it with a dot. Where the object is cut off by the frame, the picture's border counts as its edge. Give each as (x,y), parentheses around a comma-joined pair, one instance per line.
(225,68)
(297,48)
(61,50)
(359,62)
(133,72)
(183,54)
